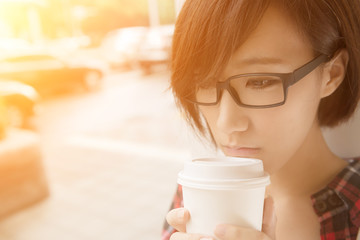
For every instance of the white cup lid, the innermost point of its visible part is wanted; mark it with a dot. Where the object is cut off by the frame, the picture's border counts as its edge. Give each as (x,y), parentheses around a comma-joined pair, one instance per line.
(224,173)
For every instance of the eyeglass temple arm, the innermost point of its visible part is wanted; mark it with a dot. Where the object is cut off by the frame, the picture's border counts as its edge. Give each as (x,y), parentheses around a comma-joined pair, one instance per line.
(307,68)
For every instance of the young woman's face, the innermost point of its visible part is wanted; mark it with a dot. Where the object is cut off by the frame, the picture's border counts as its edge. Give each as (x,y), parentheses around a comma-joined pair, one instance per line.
(276,134)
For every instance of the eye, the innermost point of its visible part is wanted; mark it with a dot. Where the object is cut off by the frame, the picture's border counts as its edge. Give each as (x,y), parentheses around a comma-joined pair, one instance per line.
(261,83)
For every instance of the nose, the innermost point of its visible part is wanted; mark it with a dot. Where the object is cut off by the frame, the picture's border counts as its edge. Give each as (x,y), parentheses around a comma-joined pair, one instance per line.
(231,117)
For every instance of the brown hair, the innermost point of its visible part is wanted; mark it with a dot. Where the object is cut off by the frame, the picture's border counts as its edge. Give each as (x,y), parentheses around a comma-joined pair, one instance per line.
(208,32)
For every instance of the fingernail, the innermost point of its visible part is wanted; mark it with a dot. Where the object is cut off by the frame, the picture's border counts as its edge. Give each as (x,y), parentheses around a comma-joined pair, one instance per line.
(220,230)
(180,213)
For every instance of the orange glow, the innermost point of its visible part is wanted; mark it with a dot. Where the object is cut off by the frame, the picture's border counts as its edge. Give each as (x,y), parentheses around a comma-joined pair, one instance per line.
(41,20)
(3,118)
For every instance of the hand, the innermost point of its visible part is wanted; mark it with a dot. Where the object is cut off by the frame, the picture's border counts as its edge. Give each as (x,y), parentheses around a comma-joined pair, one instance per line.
(178,218)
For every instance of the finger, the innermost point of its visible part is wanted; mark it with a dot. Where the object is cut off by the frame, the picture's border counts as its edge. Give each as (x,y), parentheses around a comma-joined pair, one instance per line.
(177,218)
(186,236)
(231,232)
(269,218)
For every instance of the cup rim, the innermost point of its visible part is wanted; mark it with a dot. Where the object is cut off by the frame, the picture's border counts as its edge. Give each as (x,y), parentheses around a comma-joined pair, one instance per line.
(224,184)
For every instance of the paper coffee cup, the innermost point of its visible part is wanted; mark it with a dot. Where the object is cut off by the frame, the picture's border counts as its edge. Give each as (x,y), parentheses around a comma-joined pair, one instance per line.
(225,190)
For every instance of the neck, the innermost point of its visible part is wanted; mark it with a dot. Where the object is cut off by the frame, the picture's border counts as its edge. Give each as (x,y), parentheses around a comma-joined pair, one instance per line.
(308,171)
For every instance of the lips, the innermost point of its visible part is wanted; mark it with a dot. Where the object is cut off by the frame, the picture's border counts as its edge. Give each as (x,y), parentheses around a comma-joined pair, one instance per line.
(240,151)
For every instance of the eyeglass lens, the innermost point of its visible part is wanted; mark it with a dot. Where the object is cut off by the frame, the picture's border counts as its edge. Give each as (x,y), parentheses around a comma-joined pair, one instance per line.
(248,90)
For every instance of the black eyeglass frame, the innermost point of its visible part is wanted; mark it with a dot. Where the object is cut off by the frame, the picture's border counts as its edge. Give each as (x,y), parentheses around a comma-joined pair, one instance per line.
(288,79)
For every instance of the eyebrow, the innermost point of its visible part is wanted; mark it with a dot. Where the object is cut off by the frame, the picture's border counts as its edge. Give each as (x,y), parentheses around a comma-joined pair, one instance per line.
(261,60)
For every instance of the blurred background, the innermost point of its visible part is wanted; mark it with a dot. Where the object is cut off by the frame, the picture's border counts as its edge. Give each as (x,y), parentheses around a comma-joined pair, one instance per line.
(90,138)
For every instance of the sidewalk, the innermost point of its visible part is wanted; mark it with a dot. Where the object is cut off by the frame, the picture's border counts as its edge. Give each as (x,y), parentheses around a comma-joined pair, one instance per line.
(106,188)
(108,200)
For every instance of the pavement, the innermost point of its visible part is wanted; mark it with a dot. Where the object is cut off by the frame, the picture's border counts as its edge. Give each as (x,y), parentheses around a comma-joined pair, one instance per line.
(111,160)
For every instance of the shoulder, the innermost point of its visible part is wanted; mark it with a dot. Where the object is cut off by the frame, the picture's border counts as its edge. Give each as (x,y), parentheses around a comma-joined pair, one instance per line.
(347,186)
(342,193)
(347,182)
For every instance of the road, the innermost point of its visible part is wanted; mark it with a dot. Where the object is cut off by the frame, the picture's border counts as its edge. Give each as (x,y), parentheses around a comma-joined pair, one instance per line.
(130,108)
(111,158)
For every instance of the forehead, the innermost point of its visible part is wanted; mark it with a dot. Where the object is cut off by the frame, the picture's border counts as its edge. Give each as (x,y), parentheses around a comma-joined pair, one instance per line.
(276,41)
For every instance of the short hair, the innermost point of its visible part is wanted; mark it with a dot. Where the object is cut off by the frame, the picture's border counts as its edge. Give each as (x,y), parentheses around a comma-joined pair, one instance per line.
(208,32)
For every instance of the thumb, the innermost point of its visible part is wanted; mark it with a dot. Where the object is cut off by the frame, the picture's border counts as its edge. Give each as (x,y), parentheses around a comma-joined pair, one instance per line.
(269,218)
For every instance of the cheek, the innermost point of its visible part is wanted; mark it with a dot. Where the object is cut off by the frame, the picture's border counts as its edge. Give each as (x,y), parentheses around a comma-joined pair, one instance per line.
(300,109)
(210,114)
(286,127)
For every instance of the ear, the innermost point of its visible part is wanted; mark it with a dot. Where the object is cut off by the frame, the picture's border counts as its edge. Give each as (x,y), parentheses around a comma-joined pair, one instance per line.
(334,72)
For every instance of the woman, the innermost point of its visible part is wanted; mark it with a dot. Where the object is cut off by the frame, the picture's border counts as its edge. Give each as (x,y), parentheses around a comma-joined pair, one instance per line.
(259,78)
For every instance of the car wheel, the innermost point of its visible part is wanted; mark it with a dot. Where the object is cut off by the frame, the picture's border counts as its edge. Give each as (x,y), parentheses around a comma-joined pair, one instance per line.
(15,116)
(92,81)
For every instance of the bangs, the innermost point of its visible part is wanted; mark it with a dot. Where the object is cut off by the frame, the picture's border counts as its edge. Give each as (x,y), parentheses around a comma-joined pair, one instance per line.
(206,36)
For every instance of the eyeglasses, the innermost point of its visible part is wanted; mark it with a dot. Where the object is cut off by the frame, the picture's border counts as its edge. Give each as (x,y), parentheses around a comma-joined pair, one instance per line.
(254,90)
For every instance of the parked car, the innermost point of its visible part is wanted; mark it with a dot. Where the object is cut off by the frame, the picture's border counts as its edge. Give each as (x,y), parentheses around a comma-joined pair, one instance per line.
(156,47)
(19,103)
(48,74)
(119,47)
